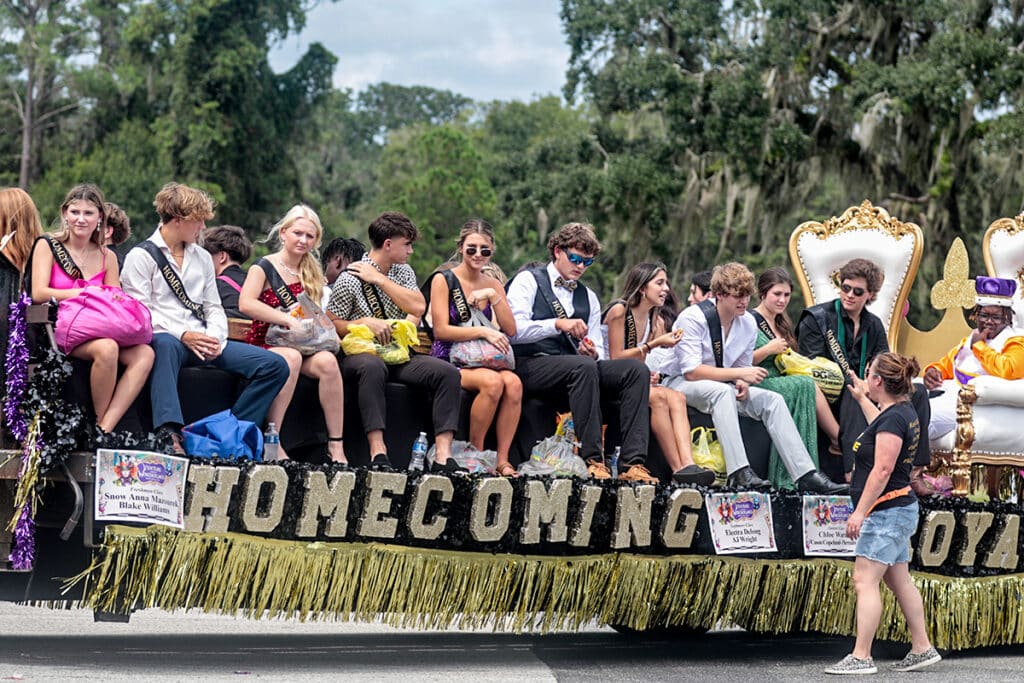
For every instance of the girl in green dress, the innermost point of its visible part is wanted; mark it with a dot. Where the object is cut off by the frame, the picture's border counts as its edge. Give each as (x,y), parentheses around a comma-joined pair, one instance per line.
(803,397)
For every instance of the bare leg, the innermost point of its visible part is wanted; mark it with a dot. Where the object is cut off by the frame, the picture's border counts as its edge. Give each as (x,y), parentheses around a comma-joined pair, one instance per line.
(102,353)
(826,420)
(508,414)
(375,439)
(488,386)
(680,424)
(661,426)
(138,361)
(443,447)
(323,366)
(867,577)
(284,397)
(902,585)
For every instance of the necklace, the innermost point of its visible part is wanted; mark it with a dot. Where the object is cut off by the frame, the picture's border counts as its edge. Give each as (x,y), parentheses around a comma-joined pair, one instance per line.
(80,257)
(288,270)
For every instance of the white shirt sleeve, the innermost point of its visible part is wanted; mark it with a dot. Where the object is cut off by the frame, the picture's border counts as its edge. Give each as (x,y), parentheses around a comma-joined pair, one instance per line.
(594,328)
(745,359)
(690,349)
(521,294)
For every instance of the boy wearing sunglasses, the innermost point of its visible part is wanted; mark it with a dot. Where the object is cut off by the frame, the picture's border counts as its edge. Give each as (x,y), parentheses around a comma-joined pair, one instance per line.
(847,332)
(559,347)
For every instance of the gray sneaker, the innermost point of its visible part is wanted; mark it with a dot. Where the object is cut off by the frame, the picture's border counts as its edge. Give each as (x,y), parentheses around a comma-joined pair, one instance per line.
(913,662)
(850,665)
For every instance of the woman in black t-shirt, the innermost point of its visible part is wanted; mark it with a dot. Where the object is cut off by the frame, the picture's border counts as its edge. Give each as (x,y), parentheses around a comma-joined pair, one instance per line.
(886,511)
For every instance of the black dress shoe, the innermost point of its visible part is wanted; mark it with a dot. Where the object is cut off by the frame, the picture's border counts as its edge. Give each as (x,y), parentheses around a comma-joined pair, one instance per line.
(381,461)
(746,478)
(694,474)
(816,482)
(449,467)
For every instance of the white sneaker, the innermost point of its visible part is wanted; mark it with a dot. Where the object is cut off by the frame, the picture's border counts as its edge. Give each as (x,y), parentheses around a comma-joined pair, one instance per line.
(852,666)
(913,662)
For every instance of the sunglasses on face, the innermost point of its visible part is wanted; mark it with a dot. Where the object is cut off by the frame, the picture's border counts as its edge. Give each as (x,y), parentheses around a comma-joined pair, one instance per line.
(579,259)
(857,291)
(991,317)
(484,251)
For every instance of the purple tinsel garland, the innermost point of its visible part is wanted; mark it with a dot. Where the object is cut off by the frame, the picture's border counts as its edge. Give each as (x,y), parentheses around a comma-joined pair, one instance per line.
(16,362)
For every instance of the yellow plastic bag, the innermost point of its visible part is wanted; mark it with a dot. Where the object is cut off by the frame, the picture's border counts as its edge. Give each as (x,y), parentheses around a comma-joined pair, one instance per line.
(707,452)
(825,372)
(361,340)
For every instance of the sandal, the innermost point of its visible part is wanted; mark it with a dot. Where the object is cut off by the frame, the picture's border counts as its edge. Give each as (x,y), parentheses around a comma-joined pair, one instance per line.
(506,469)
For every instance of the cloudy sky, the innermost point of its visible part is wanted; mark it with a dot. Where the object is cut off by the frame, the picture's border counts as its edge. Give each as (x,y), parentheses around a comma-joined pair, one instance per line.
(484,49)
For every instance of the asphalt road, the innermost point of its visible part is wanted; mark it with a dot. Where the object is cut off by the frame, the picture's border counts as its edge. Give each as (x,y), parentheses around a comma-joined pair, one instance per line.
(39,644)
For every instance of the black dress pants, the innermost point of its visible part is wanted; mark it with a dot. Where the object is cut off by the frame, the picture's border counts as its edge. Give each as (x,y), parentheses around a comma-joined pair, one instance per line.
(586,380)
(439,377)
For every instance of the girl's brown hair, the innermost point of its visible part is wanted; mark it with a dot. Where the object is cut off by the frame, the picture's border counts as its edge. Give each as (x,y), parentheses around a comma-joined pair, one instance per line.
(896,371)
(84,192)
(768,279)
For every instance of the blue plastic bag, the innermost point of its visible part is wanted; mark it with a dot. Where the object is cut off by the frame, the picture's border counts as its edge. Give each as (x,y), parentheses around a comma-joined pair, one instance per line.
(223,435)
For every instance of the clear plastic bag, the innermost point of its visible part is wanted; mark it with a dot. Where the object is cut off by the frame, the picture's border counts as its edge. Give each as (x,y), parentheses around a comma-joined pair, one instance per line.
(555,456)
(480,353)
(468,456)
(316,334)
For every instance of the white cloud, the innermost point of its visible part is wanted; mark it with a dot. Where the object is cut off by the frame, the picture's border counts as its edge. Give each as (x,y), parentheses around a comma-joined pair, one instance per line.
(484,49)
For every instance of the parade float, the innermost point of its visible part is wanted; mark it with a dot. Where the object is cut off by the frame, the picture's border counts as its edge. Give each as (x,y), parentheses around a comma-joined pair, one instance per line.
(123,529)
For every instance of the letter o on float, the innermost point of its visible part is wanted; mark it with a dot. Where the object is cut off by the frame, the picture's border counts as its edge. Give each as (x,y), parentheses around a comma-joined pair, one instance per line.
(496,491)
(931,550)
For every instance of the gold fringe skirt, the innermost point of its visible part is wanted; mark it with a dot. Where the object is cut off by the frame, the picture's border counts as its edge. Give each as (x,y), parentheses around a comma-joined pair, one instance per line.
(159,567)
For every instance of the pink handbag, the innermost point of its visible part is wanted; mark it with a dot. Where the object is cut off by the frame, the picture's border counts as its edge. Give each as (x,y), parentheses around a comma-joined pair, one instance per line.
(102,312)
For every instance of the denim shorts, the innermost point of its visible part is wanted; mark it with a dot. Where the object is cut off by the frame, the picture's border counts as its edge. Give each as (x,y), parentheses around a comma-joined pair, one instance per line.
(885,534)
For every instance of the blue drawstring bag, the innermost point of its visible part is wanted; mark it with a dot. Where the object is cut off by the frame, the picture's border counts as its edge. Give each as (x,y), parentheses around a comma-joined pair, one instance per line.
(223,435)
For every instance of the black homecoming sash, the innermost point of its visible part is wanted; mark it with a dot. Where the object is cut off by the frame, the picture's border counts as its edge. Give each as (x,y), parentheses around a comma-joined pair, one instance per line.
(710,311)
(172,279)
(277,285)
(544,290)
(373,300)
(763,325)
(458,297)
(628,322)
(63,257)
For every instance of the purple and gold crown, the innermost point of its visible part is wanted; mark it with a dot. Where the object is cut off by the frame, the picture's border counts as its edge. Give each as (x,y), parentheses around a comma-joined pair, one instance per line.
(994,291)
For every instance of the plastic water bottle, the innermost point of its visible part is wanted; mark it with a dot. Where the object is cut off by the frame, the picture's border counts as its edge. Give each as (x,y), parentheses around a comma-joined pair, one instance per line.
(615,462)
(419,452)
(271,440)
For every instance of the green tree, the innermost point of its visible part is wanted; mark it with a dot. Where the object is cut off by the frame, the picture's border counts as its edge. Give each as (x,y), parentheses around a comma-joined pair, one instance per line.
(437,177)
(748,115)
(38,40)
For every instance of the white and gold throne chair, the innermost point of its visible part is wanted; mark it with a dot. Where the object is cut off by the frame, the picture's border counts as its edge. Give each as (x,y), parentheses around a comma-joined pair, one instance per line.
(819,249)
(990,410)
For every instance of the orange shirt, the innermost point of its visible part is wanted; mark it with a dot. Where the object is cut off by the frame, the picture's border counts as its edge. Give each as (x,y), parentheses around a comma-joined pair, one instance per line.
(1008,363)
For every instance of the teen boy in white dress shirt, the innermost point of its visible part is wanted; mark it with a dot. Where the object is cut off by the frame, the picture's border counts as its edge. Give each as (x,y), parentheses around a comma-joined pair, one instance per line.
(722,383)
(558,352)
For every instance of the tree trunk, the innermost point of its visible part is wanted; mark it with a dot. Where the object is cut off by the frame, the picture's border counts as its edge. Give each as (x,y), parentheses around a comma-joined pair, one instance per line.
(27,127)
